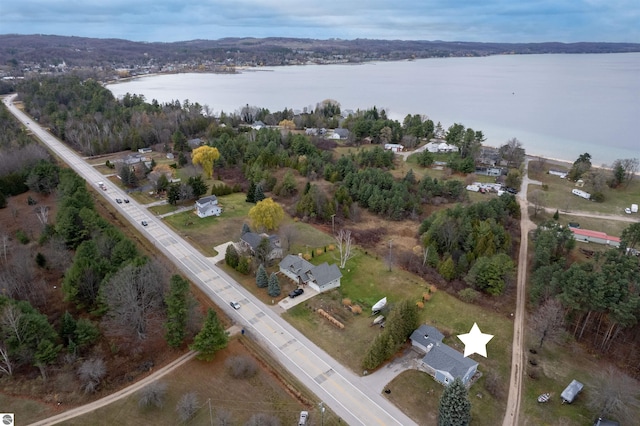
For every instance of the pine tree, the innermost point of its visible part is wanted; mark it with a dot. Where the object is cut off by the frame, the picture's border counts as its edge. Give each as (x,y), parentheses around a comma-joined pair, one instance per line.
(68,327)
(245,229)
(556,215)
(177,311)
(262,279)
(210,339)
(251,193)
(274,285)
(259,194)
(455,407)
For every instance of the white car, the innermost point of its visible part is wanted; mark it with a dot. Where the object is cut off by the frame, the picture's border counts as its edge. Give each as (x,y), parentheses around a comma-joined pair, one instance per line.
(627,210)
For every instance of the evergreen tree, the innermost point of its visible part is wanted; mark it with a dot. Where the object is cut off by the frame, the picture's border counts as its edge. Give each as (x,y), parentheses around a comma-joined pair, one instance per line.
(245,229)
(231,256)
(68,327)
(177,311)
(455,407)
(243,265)
(274,285)
(259,194)
(262,279)
(556,215)
(210,339)
(251,193)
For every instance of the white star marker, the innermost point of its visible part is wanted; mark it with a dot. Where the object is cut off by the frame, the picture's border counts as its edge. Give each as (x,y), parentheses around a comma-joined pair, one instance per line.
(475,341)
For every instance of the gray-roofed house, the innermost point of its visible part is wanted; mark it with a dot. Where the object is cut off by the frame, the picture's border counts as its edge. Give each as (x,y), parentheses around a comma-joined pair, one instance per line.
(195,143)
(208,206)
(441,361)
(321,278)
(339,133)
(570,392)
(249,242)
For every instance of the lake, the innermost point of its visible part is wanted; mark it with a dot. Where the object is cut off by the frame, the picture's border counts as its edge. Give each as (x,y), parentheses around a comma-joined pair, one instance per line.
(558,106)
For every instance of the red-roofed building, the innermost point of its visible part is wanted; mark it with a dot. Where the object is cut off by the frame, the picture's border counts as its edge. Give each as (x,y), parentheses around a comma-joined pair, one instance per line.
(589,236)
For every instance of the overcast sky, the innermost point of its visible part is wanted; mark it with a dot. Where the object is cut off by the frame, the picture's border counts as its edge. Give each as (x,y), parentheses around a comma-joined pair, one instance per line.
(450,20)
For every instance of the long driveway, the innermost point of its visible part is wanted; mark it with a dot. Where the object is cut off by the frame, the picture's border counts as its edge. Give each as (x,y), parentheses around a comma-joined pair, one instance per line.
(343,391)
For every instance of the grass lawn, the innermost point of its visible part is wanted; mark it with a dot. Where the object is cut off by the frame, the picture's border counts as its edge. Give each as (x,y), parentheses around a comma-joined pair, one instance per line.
(206,233)
(559,195)
(610,226)
(26,411)
(242,398)
(557,366)
(417,394)
(163,208)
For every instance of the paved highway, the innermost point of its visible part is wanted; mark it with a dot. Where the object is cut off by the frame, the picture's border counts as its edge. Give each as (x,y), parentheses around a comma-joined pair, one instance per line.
(343,391)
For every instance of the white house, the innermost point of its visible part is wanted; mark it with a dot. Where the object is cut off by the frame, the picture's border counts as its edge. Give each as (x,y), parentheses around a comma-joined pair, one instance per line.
(438,145)
(393,147)
(321,278)
(581,193)
(208,206)
(339,133)
(558,173)
(257,125)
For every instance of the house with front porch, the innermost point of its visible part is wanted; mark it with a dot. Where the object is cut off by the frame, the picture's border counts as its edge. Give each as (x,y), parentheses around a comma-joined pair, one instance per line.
(208,206)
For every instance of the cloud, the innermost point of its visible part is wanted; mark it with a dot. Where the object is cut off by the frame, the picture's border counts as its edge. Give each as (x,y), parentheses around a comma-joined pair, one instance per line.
(473,20)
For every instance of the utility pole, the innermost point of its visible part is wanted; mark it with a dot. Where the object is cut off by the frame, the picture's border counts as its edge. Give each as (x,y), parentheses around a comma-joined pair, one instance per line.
(390,260)
(321,413)
(333,224)
(210,411)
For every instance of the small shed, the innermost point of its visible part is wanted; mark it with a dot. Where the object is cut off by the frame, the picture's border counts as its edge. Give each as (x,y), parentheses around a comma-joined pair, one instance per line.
(571,391)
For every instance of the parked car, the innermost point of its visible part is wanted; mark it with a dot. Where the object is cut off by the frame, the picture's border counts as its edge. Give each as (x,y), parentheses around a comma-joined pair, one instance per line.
(118,200)
(235,305)
(304,416)
(295,293)
(144,223)
(573,225)
(126,200)
(627,210)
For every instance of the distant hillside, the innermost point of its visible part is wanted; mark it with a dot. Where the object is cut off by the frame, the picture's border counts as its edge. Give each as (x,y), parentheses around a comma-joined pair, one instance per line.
(91,52)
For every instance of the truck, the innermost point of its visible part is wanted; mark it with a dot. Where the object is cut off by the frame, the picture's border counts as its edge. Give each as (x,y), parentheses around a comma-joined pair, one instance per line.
(634,208)
(304,416)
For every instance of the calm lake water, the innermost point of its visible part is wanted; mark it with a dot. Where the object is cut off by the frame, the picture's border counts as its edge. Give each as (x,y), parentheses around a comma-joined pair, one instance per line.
(558,106)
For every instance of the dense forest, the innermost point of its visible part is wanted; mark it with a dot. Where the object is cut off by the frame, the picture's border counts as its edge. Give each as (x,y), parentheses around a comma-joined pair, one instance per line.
(599,297)
(90,52)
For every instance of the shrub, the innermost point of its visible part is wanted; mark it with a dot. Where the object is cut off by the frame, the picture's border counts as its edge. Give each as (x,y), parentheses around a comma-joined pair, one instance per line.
(22,236)
(153,395)
(41,261)
(433,288)
(319,251)
(241,367)
(187,406)
(91,373)
(356,309)
(331,247)
(468,295)
(306,256)
(420,305)
(346,301)
(426,297)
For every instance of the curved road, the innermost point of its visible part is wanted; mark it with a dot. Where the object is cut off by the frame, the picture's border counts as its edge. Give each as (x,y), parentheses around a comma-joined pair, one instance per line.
(338,387)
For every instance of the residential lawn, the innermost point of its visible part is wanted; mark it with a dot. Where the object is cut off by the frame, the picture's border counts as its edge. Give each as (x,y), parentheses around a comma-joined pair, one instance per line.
(26,411)
(206,233)
(557,366)
(163,208)
(365,281)
(417,394)
(610,226)
(213,384)
(559,195)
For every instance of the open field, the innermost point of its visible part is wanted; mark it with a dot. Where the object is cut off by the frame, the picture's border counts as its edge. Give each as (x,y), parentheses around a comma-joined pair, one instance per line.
(217,391)
(559,195)
(610,226)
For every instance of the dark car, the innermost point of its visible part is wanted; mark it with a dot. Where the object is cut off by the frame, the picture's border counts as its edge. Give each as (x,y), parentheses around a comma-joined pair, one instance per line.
(144,223)
(295,293)
(118,200)
(512,191)
(126,200)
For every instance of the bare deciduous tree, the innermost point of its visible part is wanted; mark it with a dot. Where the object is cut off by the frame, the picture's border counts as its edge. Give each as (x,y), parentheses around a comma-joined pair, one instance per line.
(288,235)
(616,395)
(343,243)
(537,198)
(187,406)
(11,320)
(548,321)
(42,212)
(262,419)
(242,367)
(135,297)
(513,153)
(6,365)
(153,395)
(4,242)
(223,417)
(91,373)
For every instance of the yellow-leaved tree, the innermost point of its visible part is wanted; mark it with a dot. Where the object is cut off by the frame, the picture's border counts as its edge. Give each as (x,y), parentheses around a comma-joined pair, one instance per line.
(287,125)
(266,214)
(205,156)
